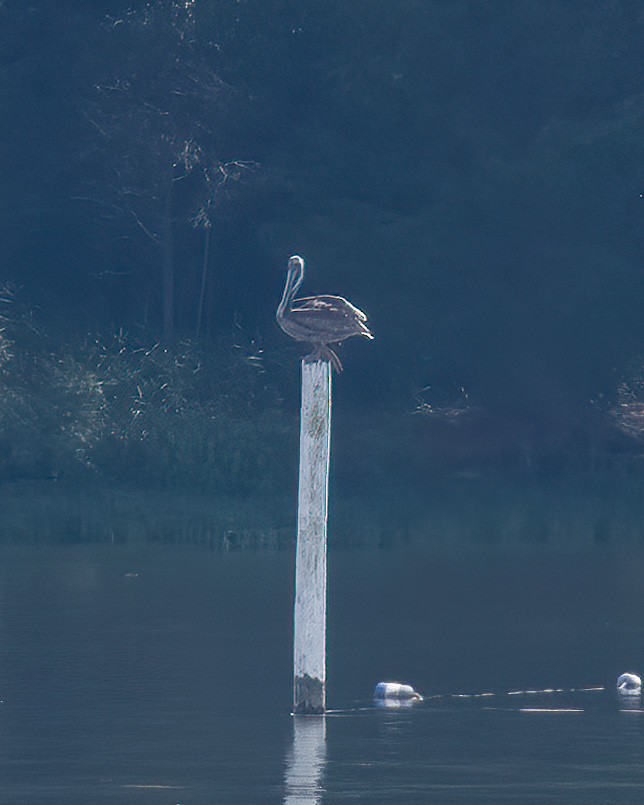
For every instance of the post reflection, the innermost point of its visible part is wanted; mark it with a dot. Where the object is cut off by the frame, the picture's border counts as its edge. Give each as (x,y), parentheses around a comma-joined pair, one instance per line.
(305,761)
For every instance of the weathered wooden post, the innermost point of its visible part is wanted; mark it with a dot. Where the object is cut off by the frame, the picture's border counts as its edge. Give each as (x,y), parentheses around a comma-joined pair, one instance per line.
(309,642)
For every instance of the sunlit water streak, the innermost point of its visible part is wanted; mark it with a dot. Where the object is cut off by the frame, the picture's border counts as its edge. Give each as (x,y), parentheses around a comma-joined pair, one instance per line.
(305,762)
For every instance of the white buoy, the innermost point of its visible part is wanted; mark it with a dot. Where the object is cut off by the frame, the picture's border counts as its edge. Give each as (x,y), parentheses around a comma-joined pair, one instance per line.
(629,685)
(396,691)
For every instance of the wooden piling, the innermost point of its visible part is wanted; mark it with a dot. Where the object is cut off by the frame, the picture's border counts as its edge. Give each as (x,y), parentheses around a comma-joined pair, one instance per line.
(309,641)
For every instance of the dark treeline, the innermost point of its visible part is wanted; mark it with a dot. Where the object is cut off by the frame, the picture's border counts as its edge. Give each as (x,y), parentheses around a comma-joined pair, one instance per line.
(468,172)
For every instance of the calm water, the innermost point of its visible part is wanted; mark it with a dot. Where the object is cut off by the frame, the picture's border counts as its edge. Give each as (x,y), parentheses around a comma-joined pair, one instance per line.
(162,675)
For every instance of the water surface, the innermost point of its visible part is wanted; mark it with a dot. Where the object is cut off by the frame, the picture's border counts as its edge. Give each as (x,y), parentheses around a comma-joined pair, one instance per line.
(160,674)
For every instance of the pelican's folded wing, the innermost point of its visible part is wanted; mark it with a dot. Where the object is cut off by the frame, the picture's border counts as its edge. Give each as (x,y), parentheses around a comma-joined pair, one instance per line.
(337,303)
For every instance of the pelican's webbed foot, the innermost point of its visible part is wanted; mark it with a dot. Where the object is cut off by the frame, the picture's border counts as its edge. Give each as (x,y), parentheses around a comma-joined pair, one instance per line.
(322,352)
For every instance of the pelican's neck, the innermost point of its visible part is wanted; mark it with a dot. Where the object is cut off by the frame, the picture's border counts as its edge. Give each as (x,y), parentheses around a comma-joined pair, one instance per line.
(293,281)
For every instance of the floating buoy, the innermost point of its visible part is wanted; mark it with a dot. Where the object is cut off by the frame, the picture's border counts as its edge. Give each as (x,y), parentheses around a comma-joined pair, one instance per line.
(396,691)
(629,685)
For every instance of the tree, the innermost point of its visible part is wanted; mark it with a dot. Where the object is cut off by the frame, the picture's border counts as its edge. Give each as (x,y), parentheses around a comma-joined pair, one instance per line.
(157,157)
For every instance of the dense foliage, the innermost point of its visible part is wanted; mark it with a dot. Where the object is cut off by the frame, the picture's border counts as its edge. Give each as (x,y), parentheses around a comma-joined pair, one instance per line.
(132,412)
(468,172)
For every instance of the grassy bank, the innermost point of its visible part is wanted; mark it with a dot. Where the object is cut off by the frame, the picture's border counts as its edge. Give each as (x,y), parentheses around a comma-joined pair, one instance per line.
(120,439)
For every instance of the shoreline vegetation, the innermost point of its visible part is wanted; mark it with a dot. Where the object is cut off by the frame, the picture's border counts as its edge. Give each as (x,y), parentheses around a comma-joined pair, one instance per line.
(572,512)
(119,439)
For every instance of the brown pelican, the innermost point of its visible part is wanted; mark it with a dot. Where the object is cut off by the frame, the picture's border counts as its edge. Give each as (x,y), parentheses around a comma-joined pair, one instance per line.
(318,320)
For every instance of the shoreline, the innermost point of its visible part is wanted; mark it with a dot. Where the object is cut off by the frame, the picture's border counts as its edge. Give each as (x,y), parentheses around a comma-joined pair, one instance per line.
(475,510)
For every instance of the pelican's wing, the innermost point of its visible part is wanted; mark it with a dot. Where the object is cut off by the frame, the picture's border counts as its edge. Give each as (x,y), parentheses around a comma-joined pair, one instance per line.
(312,303)
(338,303)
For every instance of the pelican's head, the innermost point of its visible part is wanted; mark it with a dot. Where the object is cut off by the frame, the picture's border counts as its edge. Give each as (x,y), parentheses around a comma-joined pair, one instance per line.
(295,264)
(294,273)
(294,277)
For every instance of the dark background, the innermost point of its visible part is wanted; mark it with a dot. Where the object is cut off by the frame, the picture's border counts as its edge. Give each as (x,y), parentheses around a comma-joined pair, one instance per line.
(469,173)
